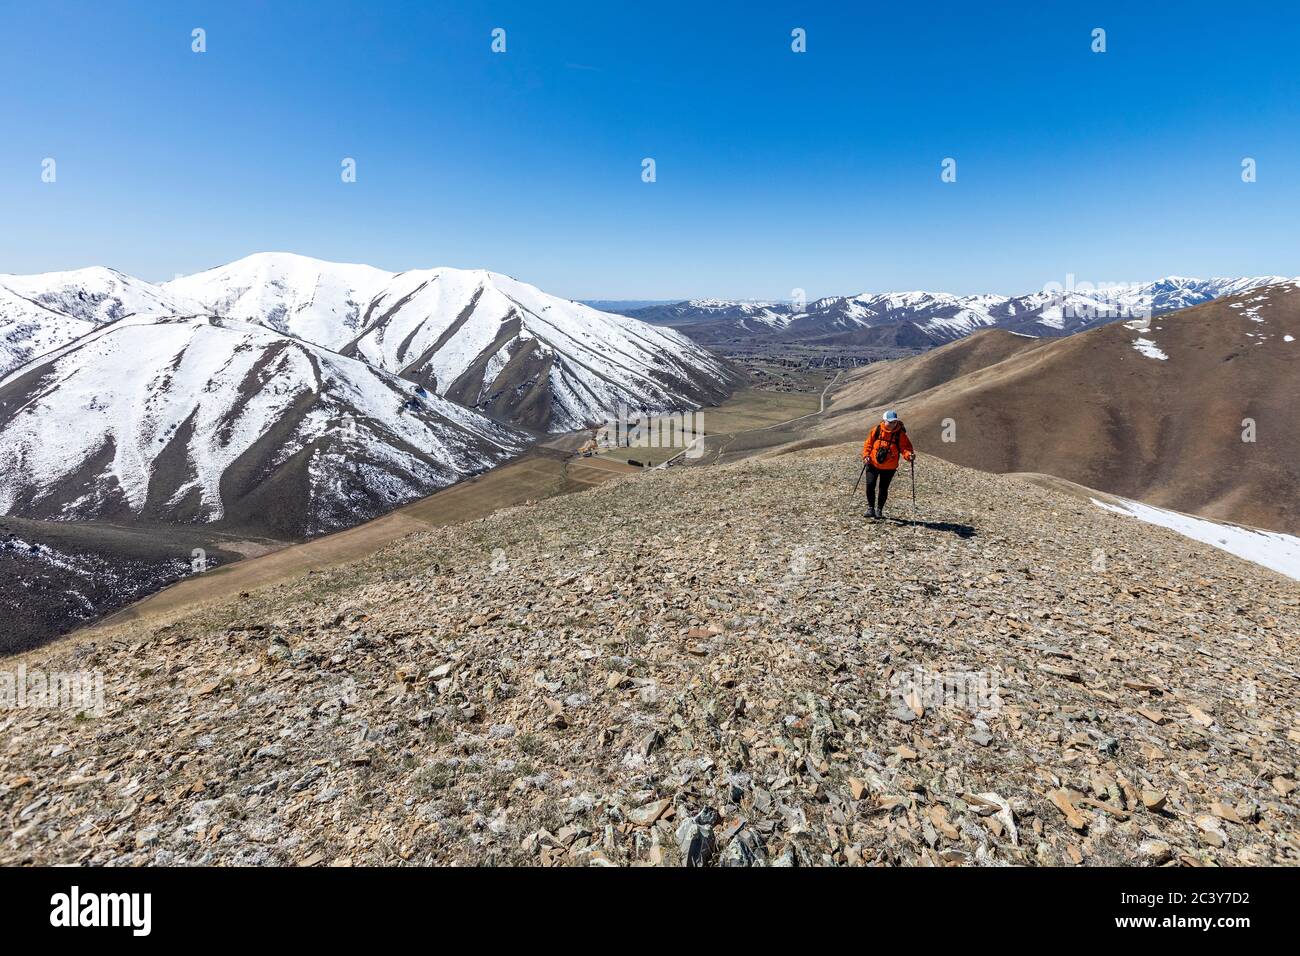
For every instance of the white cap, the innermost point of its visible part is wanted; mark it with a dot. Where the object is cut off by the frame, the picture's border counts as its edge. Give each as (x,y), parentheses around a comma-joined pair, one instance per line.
(891,416)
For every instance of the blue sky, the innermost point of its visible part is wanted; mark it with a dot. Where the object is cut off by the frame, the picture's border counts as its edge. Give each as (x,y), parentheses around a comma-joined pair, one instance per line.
(775,170)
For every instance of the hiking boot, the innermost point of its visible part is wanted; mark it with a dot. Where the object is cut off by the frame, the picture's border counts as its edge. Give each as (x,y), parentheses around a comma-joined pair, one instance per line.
(871,512)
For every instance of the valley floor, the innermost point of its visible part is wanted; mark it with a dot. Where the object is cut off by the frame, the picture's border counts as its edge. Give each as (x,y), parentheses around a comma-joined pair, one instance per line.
(720,665)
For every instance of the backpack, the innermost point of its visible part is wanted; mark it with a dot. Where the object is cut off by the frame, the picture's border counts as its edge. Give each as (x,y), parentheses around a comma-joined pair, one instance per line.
(881,454)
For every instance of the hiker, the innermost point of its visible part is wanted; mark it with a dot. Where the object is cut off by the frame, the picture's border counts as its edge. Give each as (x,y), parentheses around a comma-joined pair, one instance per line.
(880,451)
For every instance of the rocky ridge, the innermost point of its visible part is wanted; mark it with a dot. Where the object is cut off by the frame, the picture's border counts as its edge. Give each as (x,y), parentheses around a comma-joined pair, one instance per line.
(720,666)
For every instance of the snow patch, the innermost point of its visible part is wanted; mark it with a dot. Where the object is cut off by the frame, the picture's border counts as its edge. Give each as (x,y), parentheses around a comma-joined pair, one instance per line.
(1052,318)
(1270,549)
(1149,349)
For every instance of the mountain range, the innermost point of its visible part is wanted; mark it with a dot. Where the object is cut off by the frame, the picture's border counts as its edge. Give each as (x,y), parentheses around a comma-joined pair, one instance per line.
(1194,410)
(280,397)
(290,396)
(204,419)
(921,320)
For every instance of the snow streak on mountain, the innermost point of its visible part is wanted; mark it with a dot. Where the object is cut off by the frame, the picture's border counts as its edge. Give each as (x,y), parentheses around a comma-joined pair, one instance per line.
(491,342)
(204,419)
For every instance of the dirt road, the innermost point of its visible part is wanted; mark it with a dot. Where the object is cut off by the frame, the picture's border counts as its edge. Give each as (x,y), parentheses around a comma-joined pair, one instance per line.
(724,440)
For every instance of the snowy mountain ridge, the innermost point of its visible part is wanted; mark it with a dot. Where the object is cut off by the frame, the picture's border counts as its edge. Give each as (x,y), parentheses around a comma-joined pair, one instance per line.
(293,396)
(98,294)
(492,342)
(321,302)
(203,419)
(487,340)
(920,319)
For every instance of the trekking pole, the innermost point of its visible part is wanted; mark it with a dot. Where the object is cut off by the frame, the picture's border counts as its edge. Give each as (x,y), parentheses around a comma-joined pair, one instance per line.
(862,471)
(913,464)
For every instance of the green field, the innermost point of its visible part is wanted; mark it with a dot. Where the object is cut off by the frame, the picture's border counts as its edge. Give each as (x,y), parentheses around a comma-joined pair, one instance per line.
(747,409)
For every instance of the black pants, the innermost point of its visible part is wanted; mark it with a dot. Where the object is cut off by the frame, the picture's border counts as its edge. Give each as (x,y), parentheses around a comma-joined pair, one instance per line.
(885,478)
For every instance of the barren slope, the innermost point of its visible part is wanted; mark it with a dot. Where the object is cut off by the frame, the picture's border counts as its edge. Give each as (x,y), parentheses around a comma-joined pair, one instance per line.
(885,382)
(59,575)
(1155,415)
(699,661)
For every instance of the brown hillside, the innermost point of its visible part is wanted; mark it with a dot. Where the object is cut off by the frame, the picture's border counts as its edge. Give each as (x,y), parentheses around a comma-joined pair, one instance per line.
(1093,409)
(884,382)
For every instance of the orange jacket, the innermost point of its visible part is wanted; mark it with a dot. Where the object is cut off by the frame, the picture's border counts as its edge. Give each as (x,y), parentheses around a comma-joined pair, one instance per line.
(895,439)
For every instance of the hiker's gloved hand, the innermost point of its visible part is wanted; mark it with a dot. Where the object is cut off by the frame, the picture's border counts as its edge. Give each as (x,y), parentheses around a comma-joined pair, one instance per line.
(910,456)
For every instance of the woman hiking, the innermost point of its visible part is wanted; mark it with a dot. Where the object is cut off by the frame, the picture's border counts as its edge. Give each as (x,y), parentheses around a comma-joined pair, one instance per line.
(880,452)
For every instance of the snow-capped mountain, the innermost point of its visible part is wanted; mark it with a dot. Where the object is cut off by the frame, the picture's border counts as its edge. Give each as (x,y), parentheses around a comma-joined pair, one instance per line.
(270,393)
(486,340)
(915,319)
(1175,292)
(29,329)
(1070,310)
(99,295)
(763,317)
(321,302)
(39,313)
(497,344)
(942,315)
(924,319)
(203,419)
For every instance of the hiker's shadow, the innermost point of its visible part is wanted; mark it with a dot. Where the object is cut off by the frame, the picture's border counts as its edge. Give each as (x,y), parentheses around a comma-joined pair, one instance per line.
(960,530)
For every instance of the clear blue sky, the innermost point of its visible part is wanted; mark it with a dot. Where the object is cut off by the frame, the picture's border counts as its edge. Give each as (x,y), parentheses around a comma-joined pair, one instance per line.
(776,170)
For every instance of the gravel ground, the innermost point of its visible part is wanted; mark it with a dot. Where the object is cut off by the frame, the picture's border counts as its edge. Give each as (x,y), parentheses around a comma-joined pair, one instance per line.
(717,666)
